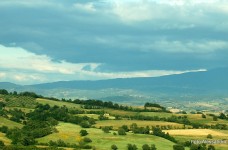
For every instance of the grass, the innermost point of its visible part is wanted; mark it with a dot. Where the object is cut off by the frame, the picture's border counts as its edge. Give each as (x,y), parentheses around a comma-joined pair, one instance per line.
(4,139)
(197,118)
(103,141)
(200,134)
(119,112)
(18,101)
(58,103)
(26,110)
(9,123)
(159,114)
(119,123)
(95,116)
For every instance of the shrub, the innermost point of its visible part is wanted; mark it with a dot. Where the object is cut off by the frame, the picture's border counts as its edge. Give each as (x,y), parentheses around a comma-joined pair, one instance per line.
(209,136)
(2,144)
(121,131)
(203,116)
(85,124)
(114,147)
(83,133)
(178,147)
(153,147)
(215,118)
(146,147)
(132,147)
(87,140)
(211,147)
(106,129)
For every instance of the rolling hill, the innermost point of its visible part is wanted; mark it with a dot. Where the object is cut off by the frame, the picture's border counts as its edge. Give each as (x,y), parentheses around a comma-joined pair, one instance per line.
(210,83)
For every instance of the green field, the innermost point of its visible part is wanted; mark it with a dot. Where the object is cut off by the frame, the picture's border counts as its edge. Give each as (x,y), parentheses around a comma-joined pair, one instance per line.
(197,118)
(57,103)
(9,123)
(119,123)
(26,110)
(159,114)
(102,141)
(95,116)
(69,133)
(18,101)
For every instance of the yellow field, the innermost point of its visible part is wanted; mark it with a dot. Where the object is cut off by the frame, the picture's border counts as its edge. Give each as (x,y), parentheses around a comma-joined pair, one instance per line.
(119,123)
(66,131)
(95,116)
(4,139)
(200,134)
(196,132)
(119,112)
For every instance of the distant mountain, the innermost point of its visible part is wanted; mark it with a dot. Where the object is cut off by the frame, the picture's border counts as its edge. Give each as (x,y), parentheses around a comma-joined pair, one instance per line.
(209,82)
(8,85)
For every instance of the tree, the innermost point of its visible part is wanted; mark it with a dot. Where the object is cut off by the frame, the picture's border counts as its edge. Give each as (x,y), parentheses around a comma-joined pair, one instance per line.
(178,147)
(215,118)
(146,147)
(106,129)
(125,127)
(153,147)
(131,147)
(2,144)
(114,147)
(87,140)
(203,116)
(83,133)
(121,131)
(209,136)
(198,147)
(222,116)
(28,141)
(4,92)
(211,147)
(85,124)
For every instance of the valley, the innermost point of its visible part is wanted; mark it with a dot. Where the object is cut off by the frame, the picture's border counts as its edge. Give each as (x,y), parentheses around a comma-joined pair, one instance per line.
(105,123)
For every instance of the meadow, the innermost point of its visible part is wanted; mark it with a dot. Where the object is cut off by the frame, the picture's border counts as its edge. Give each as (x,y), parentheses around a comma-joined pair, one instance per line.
(103,141)
(118,123)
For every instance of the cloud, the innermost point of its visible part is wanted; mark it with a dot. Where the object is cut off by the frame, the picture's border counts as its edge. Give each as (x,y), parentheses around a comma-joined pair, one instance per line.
(22,66)
(133,74)
(168,14)
(198,47)
(2,75)
(89,7)
(19,58)
(96,39)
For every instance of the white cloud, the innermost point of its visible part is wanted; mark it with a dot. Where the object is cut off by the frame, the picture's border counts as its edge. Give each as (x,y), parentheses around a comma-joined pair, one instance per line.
(25,67)
(19,58)
(145,73)
(26,3)
(166,14)
(186,46)
(89,7)
(2,75)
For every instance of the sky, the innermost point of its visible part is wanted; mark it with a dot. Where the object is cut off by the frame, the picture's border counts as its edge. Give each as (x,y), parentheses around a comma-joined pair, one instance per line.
(55,40)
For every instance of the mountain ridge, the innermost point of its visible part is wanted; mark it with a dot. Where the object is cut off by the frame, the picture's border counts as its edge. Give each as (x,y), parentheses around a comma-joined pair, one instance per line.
(207,82)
